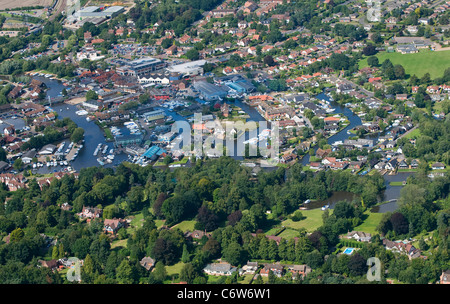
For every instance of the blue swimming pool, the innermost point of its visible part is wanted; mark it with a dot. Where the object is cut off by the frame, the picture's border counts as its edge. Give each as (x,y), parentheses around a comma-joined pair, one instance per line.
(349,250)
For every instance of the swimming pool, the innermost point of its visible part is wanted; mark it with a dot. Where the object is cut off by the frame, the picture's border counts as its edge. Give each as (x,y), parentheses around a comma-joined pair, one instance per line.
(349,250)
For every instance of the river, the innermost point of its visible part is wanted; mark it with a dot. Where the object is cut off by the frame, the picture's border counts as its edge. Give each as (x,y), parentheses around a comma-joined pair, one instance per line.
(94,136)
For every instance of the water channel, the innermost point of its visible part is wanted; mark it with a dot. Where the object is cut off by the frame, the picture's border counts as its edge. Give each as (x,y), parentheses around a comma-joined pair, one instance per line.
(94,136)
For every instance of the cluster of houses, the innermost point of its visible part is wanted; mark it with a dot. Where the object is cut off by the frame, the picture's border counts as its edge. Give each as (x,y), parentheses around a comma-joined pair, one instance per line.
(251,268)
(110,226)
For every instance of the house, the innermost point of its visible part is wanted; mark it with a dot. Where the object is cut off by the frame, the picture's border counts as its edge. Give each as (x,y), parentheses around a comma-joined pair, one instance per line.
(219,269)
(28,156)
(296,270)
(402,247)
(148,263)
(402,164)
(360,236)
(438,166)
(320,153)
(197,234)
(250,267)
(90,212)
(391,165)
(445,277)
(52,264)
(414,164)
(277,270)
(113,225)
(4,166)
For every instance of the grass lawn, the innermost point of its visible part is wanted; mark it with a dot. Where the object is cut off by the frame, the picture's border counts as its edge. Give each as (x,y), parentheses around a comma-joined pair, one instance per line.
(185,226)
(288,234)
(137,222)
(370,223)
(173,269)
(419,63)
(159,223)
(413,134)
(247,279)
(396,183)
(119,243)
(312,220)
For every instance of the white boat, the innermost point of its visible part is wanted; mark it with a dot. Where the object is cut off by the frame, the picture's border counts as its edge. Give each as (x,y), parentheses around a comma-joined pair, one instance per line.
(81,112)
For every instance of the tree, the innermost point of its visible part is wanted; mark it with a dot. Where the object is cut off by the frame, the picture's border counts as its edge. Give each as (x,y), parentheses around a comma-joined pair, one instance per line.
(91,95)
(192,54)
(369,50)
(268,60)
(77,135)
(55,253)
(234,254)
(399,223)
(188,273)
(399,71)
(16,235)
(372,61)
(185,256)
(18,164)
(160,272)
(357,264)
(124,273)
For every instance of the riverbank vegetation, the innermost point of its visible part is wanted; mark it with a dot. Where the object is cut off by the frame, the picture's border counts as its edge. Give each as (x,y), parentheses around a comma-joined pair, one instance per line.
(221,197)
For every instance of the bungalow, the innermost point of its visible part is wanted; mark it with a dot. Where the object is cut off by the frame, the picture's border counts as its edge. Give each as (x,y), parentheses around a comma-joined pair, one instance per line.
(28,156)
(250,267)
(438,166)
(360,236)
(219,269)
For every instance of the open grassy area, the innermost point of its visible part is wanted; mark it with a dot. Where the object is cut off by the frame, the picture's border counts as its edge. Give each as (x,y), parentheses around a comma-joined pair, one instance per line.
(413,134)
(119,243)
(312,220)
(370,223)
(186,226)
(400,183)
(419,63)
(174,269)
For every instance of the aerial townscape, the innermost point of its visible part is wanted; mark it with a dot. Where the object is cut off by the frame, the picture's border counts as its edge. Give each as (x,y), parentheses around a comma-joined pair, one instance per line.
(224,142)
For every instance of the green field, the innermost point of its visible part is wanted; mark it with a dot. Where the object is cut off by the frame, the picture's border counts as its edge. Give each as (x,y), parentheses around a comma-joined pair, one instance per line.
(186,226)
(419,63)
(370,223)
(413,134)
(312,220)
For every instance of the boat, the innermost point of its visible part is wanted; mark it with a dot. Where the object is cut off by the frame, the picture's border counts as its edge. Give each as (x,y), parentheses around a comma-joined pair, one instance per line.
(105,149)
(81,112)
(100,161)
